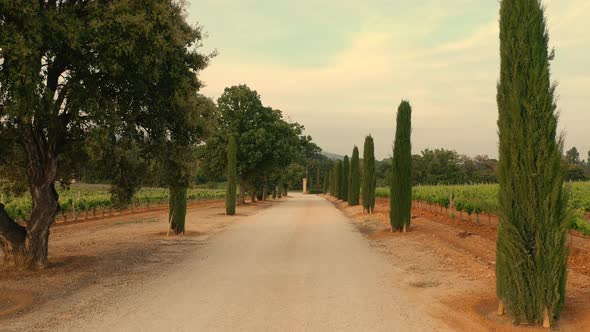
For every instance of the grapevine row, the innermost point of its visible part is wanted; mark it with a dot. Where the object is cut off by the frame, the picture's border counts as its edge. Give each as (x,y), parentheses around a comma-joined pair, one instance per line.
(483,199)
(90,200)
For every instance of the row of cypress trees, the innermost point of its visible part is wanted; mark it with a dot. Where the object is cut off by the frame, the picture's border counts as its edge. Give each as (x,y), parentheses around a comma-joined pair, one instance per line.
(531,255)
(531,250)
(348,182)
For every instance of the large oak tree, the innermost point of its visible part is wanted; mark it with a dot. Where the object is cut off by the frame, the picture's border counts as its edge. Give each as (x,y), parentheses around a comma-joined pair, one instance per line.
(69,68)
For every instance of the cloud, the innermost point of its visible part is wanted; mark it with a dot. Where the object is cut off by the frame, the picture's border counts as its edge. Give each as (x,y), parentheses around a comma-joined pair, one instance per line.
(431,54)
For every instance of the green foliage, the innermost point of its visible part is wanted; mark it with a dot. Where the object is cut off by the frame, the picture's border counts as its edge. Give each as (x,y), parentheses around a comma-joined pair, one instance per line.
(369,175)
(107,61)
(484,197)
(267,143)
(93,198)
(337,179)
(401,177)
(442,166)
(230,196)
(354,179)
(343,194)
(177,210)
(579,222)
(68,68)
(573,156)
(333,180)
(531,253)
(326,185)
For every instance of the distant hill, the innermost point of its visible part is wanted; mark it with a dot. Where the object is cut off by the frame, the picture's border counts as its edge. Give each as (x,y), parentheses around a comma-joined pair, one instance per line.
(332,156)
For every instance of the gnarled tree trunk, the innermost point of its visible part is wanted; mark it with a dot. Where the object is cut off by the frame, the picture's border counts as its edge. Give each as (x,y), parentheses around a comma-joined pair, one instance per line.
(45,208)
(28,248)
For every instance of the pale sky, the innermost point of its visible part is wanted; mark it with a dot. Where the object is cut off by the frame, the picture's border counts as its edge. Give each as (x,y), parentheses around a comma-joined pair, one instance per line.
(341,67)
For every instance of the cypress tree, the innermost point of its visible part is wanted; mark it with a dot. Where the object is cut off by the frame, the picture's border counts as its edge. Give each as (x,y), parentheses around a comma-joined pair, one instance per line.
(177,210)
(318,184)
(531,250)
(369,178)
(230,193)
(337,178)
(354,178)
(344,179)
(332,182)
(401,176)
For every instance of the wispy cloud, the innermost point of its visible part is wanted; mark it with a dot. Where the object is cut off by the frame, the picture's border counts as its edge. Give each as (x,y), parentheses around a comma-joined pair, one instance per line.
(442,56)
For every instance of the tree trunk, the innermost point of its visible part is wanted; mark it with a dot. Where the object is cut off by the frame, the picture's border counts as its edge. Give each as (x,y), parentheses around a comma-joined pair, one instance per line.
(45,208)
(264,193)
(253,197)
(242,199)
(42,170)
(177,209)
(28,247)
(12,238)
(546,319)
(501,308)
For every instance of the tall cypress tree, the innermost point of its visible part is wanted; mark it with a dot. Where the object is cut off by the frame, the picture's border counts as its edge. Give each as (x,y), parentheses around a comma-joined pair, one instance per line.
(331,182)
(401,176)
(337,178)
(369,178)
(354,178)
(318,184)
(531,248)
(230,193)
(344,179)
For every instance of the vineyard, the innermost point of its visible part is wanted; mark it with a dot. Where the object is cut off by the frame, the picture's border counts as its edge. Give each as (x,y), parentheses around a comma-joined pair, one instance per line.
(96,199)
(483,199)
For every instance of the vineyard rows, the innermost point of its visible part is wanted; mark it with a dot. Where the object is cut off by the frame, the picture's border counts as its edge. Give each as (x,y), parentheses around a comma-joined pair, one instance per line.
(90,200)
(483,199)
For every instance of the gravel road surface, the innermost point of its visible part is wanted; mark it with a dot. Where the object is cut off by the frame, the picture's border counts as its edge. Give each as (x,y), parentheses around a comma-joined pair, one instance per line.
(297,266)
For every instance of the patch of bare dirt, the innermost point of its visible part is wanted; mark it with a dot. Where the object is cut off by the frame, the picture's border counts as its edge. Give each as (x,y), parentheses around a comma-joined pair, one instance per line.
(98,256)
(451,264)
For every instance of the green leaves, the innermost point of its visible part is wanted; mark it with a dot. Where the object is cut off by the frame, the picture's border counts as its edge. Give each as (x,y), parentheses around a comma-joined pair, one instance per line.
(531,250)
(344,176)
(80,67)
(354,179)
(267,144)
(401,176)
(369,175)
(230,196)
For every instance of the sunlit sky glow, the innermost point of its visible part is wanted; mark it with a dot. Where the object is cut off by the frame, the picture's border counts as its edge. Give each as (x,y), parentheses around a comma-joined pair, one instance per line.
(342,67)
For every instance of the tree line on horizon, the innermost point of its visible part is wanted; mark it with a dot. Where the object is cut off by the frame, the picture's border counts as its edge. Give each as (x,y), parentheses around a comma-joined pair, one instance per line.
(448,167)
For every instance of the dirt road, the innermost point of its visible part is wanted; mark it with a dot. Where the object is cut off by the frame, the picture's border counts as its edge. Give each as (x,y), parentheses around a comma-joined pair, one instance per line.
(297,266)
